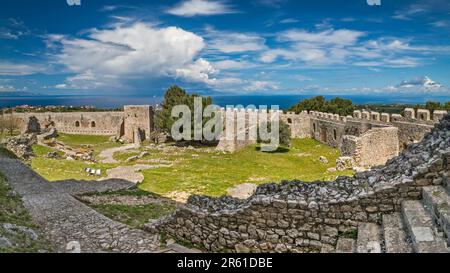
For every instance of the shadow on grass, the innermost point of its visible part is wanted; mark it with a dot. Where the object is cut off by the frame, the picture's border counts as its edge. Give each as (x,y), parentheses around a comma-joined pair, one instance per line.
(280,150)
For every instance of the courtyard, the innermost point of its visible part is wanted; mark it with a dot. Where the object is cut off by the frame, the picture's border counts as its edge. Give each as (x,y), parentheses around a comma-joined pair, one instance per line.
(175,171)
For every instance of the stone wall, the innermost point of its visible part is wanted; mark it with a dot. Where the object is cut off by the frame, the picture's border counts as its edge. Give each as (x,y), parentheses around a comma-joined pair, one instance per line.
(300,124)
(295,216)
(138,122)
(372,148)
(83,123)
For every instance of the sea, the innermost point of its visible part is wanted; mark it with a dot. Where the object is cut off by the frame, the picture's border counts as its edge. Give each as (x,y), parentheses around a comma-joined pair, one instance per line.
(282,101)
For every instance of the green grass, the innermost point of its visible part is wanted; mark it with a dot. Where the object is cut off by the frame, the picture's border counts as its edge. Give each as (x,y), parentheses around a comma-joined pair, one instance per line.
(96,143)
(134,216)
(12,211)
(201,170)
(61,169)
(212,174)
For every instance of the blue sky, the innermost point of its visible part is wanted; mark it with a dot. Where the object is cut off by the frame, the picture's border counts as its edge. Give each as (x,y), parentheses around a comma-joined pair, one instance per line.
(225,47)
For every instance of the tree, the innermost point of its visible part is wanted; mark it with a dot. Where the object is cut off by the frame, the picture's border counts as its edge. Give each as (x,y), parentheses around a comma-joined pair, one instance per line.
(447,106)
(284,133)
(174,96)
(337,105)
(432,105)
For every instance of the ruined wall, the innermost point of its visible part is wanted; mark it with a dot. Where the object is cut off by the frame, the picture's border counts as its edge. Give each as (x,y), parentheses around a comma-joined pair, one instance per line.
(372,148)
(84,123)
(243,129)
(300,124)
(138,122)
(304,217)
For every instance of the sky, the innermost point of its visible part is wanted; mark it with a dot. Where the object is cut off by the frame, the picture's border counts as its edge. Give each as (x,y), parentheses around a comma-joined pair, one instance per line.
(275,47)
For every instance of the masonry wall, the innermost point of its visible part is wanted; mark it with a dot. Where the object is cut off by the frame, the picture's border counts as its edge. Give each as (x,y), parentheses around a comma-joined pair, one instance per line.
(372,148)
(138,122)
(304,217)
(87,123)
(300,124)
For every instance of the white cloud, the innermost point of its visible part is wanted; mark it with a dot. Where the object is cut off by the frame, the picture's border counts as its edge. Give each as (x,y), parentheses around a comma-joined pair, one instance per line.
(13,29)
(261,86)
(110,56)
(7,88)
(423,83)
(346,47)
(10,88)
(330,36)
(271,3)
(190,8)
(232,64)
(289,21)
(16,69)
(234,42)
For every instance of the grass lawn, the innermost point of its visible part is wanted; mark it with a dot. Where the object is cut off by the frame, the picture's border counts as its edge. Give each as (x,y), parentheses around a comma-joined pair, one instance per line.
(200,170)
(134,215)
(61,169)
(13,212)
(212,174)
(96,143)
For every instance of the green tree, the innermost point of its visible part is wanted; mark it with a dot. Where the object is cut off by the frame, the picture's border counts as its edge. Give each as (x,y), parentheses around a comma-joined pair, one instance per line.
(336,105)
(447,106)
(284,133)
(432,105)
(174,96)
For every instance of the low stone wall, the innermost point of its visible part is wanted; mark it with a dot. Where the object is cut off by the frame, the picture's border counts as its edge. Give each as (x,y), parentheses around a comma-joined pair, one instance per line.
(303,217)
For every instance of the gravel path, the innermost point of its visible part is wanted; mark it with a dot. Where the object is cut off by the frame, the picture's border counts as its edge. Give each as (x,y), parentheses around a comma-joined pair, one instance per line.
(107,155)
(69,223)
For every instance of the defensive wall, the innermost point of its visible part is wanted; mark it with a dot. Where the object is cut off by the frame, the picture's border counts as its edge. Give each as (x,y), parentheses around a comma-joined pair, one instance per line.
(296,216)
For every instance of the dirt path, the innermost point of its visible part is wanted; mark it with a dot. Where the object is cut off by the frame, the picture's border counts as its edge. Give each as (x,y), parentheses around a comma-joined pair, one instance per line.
(107,156)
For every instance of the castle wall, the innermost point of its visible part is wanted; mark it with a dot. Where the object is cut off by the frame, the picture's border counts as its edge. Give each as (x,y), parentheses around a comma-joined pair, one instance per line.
(300,124)
(138,121)
(304,217)
(372,148)
(84,123)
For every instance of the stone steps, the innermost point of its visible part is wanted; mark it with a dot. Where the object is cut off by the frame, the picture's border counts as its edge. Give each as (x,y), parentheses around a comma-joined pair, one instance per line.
(437,201)
(369,238)
(346,245)
(421,229)
(394,234)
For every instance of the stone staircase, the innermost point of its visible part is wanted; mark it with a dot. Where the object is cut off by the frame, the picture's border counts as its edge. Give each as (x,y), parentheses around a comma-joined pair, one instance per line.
(421,227)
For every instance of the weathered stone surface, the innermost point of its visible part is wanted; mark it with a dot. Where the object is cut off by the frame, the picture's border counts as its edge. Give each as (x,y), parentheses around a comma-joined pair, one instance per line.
(395,237)
(305,216)
(369,240)
(422,229)
(65,220)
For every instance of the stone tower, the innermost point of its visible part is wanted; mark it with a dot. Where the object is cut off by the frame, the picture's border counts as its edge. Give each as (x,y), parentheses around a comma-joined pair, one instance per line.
(138,122)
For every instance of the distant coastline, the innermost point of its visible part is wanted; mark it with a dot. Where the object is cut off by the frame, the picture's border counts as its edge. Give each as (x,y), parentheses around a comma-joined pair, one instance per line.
(284,101)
